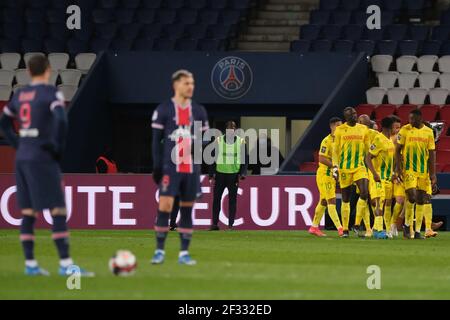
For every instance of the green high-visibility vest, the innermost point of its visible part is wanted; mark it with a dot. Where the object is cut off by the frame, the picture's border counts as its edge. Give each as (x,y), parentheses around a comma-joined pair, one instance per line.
(229,157)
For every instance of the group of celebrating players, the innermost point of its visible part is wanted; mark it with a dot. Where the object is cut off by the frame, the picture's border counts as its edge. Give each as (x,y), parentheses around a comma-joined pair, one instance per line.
(394,166)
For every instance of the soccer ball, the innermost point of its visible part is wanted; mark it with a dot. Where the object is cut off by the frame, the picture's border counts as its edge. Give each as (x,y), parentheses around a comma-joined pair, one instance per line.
(123,263)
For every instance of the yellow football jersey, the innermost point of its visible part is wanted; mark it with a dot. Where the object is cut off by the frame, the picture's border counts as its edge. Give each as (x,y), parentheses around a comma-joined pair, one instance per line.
(350,146)
(373,134)
(326,150)
(383,149)
(416,144)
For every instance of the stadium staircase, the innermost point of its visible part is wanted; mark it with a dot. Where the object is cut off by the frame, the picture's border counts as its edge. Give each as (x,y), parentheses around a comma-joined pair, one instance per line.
(275,24)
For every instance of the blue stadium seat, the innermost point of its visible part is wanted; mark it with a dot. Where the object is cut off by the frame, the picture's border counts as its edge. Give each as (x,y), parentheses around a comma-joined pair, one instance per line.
(56,16)
(319,17)
(146,16)
(351,5)
(54,45)
(329,4)
(85,33)
(36,31)
(99,44)
(35,15)
(387,18)
(300,46)
(430,47)
(164,45)
(209,16)
(188,16)
(210,45)
(387,47)
(352,32)
(218,31)
(309,32)
(58,31)
(131,4)
(38,4)
(120,44)
(76,46)
(102,15)
(408,47)
(445,48)
(13,30)
(186,45)
(229,17)
(108,4)
(366,3)
(217,4)
(12,16)
(166,16)
(344,46)
(396,31)
(151,31)
(60,4)
(143,45)
(10,45)
(393,5)
(239,4)
(341,17)
(359,18)
(197,31)
(151,4)
(331,32)
(174,4)
(196,4)
(174,31)
(441,33)
(32,45)
(124,16)
(129,31)
(415,7)
(445,17)
(375,34)
(12,4)
(321,45)
(106,30)
(419,32)
(366,46)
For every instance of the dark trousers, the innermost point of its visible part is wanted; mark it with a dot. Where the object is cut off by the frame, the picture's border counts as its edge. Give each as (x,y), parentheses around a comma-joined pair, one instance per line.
(229,181)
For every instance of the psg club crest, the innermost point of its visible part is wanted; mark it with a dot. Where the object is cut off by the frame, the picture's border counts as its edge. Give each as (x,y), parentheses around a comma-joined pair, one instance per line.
(231,78)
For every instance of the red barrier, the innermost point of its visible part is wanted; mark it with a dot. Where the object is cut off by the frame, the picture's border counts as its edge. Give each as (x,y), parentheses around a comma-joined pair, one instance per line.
(129,202)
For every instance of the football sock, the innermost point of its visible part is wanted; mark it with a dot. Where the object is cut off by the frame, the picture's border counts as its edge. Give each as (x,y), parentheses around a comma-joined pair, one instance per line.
(185,228)
(345,214)
(366,218)
(409,213)
(320,211)
(428,214)
(334,215)
(161,229)
(361,207)
(378,225)
(419,216)
(397,210)
(61,236)
(27,237)
(387,216)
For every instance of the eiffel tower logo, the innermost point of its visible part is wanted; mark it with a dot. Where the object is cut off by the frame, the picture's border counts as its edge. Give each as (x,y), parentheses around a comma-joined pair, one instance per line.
(231,82)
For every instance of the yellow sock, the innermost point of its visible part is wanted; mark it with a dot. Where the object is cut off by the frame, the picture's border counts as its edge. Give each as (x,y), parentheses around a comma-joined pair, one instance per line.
(366,218)
(387,216)
(320,211)
(428,214)
(334,215)
(378,225)
(359,217)
(361,207)
(419,216)
(409,213)
(345,214)
(397,210)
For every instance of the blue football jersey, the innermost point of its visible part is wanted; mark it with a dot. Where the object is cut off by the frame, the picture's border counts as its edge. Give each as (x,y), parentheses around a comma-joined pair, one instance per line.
(180,134)
(32,107)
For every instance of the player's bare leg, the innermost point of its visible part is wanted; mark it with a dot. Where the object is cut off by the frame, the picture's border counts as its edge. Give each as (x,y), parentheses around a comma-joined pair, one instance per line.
(27,239)
(162,227)
(60,235)
(185,229)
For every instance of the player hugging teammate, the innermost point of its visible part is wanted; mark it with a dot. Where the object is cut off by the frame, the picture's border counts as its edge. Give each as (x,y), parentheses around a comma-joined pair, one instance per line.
(392,165)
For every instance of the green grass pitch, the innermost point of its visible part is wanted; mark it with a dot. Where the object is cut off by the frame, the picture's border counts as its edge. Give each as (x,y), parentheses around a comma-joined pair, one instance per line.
(236,265)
